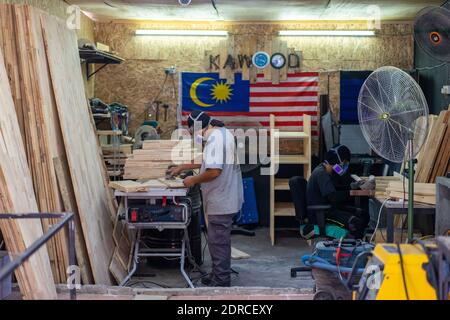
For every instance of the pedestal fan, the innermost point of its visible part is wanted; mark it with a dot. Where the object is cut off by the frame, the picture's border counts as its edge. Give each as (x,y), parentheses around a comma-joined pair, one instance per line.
(432,32)
(393,115)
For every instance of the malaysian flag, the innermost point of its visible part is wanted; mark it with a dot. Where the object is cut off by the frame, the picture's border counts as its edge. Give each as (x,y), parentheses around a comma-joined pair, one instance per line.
(245,105)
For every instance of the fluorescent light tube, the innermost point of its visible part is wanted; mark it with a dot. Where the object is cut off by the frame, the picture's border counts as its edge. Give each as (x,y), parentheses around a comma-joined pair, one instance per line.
(211,33)
(341,33)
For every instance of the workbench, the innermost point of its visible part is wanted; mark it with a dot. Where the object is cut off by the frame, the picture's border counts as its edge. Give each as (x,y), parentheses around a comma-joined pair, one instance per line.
(391,208)
(179,196)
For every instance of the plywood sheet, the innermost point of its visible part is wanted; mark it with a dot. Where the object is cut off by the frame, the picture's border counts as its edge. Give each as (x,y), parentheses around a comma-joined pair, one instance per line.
(17,196)
(82,149)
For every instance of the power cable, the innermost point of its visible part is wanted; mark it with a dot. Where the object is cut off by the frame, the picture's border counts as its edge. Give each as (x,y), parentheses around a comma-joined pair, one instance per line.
(402,266)
(378,220)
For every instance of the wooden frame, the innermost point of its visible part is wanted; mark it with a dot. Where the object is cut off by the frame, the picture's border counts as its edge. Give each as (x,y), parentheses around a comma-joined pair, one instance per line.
(286,209)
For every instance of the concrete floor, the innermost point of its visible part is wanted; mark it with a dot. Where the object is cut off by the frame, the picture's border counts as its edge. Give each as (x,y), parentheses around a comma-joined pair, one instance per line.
(268,266)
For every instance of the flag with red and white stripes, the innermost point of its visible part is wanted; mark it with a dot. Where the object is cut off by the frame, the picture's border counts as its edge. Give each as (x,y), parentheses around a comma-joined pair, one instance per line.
(288,101)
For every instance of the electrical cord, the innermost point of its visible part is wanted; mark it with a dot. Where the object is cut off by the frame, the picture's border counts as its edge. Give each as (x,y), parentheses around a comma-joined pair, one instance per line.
(378,219)
(402,266)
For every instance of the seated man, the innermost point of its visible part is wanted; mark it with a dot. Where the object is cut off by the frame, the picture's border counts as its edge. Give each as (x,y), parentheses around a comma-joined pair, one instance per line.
(323,189)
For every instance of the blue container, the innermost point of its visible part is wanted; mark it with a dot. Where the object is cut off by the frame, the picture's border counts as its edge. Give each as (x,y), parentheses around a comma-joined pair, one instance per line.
(249,212)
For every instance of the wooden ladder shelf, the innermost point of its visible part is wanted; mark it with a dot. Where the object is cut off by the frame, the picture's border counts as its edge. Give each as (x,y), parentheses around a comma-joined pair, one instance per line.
(286,209)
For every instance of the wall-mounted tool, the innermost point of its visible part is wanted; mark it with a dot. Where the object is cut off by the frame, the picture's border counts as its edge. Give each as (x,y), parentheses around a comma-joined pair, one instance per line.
(166,109)
(157,103)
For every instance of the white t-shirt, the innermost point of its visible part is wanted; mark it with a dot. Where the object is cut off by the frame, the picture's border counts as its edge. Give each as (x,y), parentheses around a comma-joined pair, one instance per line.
(225,194)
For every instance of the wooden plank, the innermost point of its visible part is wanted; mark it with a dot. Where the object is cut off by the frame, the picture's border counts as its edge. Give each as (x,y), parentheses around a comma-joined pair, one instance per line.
(124,148)
(144,174)
(173,184)
(136,186)
(70,205)
(245,51)
(17,196)
(275,72)
(443,156)
(84,157)
(229,70)
(109,132)
(169,144)
(116,268)
(431,148)
(285,52)
(223,51)
(268,49)
(253,70)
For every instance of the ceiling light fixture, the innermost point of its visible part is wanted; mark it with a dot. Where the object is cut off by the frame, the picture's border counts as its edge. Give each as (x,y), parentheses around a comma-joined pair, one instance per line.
(211,33)
(332,33)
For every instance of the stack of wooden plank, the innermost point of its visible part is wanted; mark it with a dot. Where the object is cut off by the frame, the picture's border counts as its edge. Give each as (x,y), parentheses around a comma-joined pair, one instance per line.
(382,184)
(56,131)
(115,153)
(423,192)
(434,159)
(27,64)
(17,195)
(152,160)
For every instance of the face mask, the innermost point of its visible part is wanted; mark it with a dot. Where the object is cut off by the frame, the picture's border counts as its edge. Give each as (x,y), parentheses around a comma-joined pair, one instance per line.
(340,169)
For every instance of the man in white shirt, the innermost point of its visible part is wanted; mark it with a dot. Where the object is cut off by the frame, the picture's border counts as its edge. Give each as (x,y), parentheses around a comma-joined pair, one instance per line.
(221,183)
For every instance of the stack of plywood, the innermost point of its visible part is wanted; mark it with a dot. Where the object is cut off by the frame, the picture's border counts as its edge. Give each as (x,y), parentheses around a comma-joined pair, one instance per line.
(434,159)
(152,161)
(17,196)
(27,65)
(423,192)
(56,131)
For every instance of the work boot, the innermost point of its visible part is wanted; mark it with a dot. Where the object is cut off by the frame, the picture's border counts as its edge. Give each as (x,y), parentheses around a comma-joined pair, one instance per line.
(208,279)
(211,281)
(215,283)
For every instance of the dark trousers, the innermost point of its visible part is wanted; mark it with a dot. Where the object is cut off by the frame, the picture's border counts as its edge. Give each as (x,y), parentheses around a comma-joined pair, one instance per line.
(345,215)
(219,244)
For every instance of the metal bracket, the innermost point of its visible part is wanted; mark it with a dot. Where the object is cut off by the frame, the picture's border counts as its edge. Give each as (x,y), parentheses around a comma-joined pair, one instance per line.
(90,75)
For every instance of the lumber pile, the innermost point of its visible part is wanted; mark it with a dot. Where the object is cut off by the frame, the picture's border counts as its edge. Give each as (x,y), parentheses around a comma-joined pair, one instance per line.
(381,184)
(115,153)
(27,64)
(423,192)
(434,159)
(152,160)
(17,196)
(61,151)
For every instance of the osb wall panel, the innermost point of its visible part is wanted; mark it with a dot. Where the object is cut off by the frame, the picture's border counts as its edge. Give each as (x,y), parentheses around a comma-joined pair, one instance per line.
(137,81)
(59,8)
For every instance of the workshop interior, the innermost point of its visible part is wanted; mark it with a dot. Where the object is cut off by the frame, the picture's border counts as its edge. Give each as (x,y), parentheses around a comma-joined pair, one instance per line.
(224,150)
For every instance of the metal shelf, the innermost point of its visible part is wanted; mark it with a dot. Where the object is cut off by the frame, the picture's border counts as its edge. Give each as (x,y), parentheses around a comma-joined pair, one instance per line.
(98,57)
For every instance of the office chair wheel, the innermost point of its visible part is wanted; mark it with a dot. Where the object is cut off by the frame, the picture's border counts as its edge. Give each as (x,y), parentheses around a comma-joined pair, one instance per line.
(324,295)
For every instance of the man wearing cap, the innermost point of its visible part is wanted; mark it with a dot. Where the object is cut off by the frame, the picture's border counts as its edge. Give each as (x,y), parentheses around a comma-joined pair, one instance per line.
(221,183)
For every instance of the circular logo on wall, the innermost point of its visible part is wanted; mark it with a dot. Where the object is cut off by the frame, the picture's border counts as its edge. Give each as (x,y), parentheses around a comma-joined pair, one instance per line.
(261,59)
(278,60)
